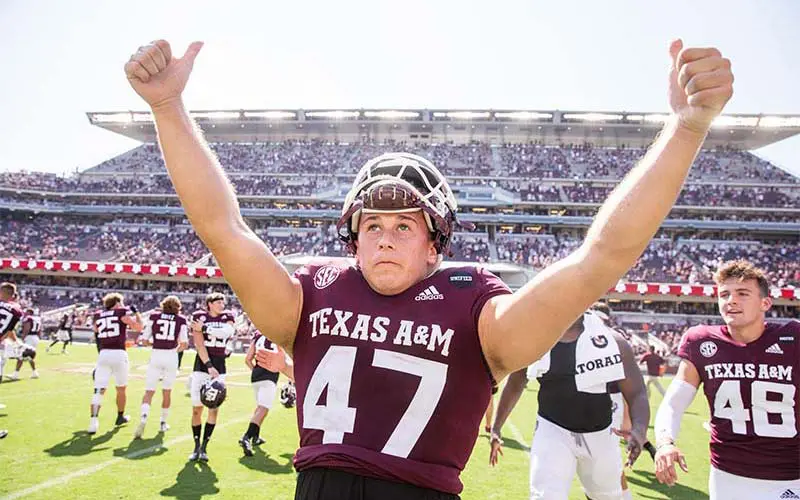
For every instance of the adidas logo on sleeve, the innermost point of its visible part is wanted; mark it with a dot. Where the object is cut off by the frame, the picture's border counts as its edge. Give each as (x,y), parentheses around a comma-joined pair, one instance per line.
(774,349)
(430,293)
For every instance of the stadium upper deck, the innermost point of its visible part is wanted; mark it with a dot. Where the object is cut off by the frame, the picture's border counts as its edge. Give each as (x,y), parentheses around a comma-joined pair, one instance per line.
(605,129)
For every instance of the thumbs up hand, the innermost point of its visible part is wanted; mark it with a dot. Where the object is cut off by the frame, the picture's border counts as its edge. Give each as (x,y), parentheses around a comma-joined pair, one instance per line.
(701,83)
(157,76)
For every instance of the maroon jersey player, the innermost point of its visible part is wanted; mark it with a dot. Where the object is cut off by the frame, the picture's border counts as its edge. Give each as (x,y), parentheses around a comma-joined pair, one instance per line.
(211,328)
(167,331)
(31,329)
(10,314)
(397,365)
(749,371)
(110,327)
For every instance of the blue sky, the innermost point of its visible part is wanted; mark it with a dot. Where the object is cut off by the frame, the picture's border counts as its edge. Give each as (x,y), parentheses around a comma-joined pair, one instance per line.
(61,59)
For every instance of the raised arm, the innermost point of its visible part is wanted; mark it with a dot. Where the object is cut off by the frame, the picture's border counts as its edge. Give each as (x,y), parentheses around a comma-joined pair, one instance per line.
(270,296)
(700,85)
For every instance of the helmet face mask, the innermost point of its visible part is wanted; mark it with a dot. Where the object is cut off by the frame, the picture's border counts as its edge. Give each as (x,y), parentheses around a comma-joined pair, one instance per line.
(288,395)
(400,183)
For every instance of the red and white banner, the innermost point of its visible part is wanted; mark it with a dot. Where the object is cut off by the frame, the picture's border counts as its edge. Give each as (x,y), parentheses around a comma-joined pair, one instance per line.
(215,272)
(111,267)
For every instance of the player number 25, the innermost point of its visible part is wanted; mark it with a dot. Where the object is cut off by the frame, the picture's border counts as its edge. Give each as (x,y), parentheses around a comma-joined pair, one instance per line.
(335,371)
(728,405)
(108,327)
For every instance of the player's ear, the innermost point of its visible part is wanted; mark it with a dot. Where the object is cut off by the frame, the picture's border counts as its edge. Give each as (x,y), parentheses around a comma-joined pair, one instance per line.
(433,255)
(766,303)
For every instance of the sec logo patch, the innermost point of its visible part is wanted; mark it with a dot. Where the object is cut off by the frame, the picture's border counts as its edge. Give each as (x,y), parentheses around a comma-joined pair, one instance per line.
(708,348)
(325,276)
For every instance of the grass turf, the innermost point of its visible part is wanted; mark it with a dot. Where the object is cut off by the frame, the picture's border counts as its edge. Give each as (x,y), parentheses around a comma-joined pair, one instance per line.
(48,453)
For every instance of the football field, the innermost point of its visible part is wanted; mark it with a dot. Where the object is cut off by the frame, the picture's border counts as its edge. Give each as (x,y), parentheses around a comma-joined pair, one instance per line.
(48,453)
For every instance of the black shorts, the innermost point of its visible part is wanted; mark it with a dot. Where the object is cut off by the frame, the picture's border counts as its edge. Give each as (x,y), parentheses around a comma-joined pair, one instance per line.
(320,483)
(217,361)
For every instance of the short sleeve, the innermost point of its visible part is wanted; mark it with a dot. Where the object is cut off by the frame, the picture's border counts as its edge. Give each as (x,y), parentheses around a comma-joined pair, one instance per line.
(489,286)
(685,348)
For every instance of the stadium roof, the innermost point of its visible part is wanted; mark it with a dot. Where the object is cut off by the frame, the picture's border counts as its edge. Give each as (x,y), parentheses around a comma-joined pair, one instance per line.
(634,129)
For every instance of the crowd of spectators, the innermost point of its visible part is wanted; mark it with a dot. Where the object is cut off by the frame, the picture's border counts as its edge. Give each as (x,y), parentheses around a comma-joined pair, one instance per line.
(149,239)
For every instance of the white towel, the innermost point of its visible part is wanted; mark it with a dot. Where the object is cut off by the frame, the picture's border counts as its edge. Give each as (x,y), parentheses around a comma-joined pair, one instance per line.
(540,367)
(597,358)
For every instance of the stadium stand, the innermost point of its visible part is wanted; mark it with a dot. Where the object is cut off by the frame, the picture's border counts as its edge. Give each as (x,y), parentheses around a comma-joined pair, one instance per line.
(531,200)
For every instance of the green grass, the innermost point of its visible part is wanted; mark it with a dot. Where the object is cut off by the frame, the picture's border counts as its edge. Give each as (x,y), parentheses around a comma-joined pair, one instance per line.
(47,419)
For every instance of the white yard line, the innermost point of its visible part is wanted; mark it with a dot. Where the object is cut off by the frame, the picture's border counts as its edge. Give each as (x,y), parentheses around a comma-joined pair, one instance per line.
(517,434)
(95,468)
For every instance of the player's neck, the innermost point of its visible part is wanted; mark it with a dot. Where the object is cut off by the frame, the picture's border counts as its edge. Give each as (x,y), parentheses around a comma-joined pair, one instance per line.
(748,333)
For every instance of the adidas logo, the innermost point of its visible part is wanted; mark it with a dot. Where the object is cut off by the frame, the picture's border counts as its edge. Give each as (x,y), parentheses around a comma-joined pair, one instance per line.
(430,293)
(789,494)
(775,349)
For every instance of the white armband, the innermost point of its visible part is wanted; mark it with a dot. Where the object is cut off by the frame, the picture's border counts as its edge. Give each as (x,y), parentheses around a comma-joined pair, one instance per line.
(668,418)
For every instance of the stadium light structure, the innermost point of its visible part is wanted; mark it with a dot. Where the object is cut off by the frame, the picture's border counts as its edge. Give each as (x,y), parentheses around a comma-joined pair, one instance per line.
(335,115)
(270,115)
(216,115)
(651,118)
(522,115)
(462,115)
(735,121)
(779,121)
(391,115)
(593,117)
(112,118)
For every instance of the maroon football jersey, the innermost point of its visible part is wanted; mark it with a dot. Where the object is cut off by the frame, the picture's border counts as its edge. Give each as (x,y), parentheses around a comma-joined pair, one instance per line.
(391,387)
(167,330)
(653,362)
(214,345)
(111,330)
(10,314)
(33,325)
(753,397)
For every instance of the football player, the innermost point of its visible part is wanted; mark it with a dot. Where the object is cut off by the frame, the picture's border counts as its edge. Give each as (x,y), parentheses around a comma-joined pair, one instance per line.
(212,328)
(110,328)
(654,362)
(10,314)
(64,333)
(384,351)
(264,382)
(167,332)
(749,370)
(31,326)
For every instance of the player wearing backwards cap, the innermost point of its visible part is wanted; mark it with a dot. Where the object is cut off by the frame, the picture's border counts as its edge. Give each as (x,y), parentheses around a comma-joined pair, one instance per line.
(394,343)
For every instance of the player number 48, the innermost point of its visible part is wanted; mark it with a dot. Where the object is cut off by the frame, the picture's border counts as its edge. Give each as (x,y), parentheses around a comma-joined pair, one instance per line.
(728,405)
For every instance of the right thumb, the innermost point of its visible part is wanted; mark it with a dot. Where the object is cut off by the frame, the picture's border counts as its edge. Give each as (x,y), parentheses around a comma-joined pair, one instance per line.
(192,51)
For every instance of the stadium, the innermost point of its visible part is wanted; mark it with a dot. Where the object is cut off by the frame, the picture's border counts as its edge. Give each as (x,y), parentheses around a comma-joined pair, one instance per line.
(529,181)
